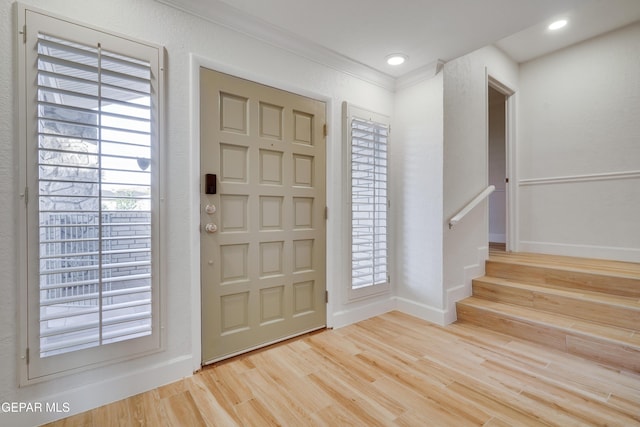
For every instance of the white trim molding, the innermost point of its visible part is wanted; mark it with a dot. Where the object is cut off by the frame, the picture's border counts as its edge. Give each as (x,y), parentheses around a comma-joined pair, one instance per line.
(509,90)
(421,74)
(102,390)
(497,238)
(464,290)
(454,295)
(225,15)
(606,176)
(353,315)
(421,311)
(584,251)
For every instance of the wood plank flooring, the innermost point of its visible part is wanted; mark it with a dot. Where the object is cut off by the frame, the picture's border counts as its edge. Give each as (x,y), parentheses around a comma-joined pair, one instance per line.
(391,370)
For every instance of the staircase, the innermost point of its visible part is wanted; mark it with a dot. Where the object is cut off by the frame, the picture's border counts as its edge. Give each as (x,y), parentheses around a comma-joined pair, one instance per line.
(586,307)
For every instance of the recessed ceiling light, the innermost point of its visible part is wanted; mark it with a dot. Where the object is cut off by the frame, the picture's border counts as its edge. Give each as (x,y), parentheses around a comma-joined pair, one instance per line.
(558,24)
(396,59)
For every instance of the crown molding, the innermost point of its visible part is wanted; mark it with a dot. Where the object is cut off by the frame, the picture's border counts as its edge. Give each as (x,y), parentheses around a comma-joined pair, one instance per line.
(419,75)
(222,14)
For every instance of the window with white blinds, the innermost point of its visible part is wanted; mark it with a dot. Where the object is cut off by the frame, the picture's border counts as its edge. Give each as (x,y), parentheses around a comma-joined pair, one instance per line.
(93,155)
(368,157)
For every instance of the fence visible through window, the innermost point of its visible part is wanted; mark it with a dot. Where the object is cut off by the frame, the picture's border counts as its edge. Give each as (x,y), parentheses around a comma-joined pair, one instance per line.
(94,195)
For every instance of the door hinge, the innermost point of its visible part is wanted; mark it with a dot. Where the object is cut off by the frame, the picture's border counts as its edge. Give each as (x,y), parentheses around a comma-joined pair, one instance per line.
(326,212)
(324,130)
(24,34)
(26,196)
(26,355)
(326,297)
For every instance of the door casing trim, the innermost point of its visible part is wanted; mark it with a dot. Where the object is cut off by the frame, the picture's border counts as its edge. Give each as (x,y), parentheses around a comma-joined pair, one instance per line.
(510,146)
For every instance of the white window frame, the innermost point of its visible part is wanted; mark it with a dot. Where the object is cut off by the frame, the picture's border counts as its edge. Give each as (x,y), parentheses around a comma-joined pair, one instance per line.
(351,112)
(33,368)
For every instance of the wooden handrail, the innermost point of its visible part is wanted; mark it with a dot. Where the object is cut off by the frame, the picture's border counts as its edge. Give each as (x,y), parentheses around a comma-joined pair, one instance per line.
(472,204)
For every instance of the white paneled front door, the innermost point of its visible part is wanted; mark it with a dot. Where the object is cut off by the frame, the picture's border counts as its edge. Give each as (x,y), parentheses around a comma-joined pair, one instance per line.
(263,231)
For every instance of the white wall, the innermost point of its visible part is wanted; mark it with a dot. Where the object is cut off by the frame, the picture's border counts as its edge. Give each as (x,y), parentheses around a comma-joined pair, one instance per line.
(579,145)
(182,34)
(466,165)
(417,135)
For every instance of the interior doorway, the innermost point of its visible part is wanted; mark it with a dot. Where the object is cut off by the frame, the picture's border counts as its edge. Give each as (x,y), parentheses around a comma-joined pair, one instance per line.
(497,169)
(501,165)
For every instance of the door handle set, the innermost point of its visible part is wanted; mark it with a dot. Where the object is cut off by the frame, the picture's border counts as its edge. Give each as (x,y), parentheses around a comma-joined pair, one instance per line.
(210,227)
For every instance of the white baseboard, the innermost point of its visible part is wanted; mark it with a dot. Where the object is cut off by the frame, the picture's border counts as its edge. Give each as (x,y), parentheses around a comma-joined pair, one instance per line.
(421,311)
(583,251)
(454,295)
(497,238)
(362,312)
(413,308)
(464,290)
(102,392)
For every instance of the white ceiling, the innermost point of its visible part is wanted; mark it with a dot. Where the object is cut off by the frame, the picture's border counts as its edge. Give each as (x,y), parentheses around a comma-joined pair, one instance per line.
(364,32)
(586,21)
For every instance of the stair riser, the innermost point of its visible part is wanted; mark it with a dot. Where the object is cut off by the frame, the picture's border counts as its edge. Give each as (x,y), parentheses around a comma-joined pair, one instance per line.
(609,354)
(540,334)
(601,312)
(599,350)
(622,286)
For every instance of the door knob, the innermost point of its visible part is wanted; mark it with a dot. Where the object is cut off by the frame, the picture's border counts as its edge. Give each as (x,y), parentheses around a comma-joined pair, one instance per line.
(211,228)
(210,209)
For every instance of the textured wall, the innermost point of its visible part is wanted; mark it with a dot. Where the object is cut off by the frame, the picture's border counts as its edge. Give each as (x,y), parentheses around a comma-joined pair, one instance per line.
(465,172)
(579,149)
(417,203)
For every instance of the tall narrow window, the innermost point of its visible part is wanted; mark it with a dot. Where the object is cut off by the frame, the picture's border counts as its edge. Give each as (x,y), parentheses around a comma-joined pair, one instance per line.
(92,174)
(368,137)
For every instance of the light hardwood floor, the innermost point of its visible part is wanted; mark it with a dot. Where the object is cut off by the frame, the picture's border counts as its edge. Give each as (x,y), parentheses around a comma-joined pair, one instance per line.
(391,370)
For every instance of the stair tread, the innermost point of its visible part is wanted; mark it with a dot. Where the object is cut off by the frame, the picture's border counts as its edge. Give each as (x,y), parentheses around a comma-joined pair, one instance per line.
(621,335)
(559,262)
(583,274)
(582,306)
(581,294)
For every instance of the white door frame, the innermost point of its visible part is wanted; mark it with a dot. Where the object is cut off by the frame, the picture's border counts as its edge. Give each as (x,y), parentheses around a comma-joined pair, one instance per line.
(332,245)
(511,159)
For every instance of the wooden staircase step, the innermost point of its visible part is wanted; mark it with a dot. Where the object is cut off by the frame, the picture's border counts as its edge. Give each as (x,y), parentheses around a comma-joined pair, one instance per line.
(593,306)
(611,345)
(623,268)
(595,277)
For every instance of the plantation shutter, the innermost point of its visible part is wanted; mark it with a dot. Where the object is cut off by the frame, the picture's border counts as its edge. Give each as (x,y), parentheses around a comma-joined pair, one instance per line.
(369,202)
(96,142)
